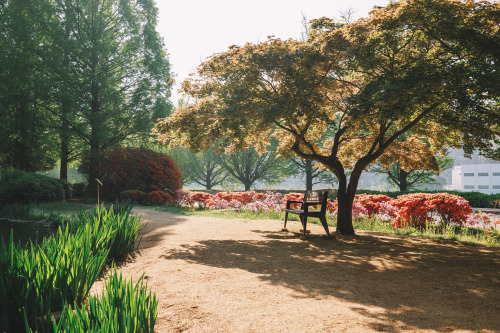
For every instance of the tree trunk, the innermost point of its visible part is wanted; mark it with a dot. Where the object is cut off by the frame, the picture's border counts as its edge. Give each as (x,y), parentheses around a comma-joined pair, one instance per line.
(344,212)
(403,180)
(24,141)
(309,175)
(247,186)
(64,138)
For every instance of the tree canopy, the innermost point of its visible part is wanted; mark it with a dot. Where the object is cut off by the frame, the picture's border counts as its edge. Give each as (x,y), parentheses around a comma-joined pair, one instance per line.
(344,97)
(83,75)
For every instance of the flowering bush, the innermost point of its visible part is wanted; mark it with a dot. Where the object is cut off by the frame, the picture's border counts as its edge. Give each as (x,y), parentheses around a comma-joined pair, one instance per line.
(480,219)
(415,209)
(132,195)
(371,202)
(250,201)
(357,209)
(157,198)
(294,197)
(122,169)
(242,197)
(265,202)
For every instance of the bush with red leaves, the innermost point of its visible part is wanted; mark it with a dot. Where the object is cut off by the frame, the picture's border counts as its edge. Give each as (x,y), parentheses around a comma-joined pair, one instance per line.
(132,195)
(122,169)
(157,198)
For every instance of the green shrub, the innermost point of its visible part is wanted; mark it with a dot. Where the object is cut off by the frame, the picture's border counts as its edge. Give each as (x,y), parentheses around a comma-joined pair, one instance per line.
(78,189)
(19,212)
(122,307)
(18,186)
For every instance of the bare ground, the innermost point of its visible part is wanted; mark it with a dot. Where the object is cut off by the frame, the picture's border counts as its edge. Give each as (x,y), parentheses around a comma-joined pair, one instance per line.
(219,275)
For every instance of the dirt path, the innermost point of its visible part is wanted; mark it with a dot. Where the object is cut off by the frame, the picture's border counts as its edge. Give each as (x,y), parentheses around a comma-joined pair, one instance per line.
(219,275)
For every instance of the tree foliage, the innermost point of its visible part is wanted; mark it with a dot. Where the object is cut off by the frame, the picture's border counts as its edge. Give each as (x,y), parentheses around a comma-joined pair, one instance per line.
(81,75)
(247,167)
(26,131)
(413,68)
(313,174)
(203,168)
(411,179)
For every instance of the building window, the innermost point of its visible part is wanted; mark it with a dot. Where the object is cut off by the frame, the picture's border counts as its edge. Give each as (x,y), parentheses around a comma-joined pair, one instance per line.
(496,174)
(468,187)
(468,174)
(483,187)
(483,174)
(496,187)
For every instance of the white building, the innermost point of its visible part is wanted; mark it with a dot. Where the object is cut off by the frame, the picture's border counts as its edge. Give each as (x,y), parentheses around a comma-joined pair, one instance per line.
(483,178)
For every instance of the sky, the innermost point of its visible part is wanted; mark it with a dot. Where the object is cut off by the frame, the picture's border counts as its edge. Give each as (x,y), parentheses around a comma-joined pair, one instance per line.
(193,30)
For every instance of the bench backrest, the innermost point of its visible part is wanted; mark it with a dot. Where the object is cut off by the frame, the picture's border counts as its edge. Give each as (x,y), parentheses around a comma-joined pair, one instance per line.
(318,197)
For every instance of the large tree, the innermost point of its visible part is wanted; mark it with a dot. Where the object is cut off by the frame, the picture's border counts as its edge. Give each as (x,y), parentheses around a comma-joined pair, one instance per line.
(115,57)
(27,135)
(88,74)
(362,84)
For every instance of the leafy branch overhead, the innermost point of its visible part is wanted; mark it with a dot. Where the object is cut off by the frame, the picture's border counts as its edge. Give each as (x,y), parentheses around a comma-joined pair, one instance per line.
(345,97)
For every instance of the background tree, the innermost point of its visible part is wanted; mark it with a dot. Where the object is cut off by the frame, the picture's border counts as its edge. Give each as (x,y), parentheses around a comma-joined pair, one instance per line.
(247,166)
(312,173)
(411,179)
(123,73)
(203,168)
(363,84)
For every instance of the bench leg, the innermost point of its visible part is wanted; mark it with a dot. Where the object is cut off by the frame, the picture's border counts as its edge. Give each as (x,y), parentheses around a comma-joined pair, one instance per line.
(303,219)
(325,225)
(286,219)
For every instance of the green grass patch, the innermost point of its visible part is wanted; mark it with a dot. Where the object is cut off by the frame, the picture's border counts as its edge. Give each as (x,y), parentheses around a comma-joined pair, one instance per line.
(227,214)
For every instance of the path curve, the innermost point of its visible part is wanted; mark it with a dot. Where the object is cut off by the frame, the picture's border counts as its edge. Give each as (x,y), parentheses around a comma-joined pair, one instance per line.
(221,275)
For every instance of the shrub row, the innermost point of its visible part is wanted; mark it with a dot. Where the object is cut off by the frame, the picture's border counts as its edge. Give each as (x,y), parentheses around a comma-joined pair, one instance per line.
(27,187)
(475,199)
(38,279)
(151,198)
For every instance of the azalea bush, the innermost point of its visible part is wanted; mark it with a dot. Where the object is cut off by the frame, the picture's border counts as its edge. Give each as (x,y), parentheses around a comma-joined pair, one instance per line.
(417,209)
(372,203)
(248,201)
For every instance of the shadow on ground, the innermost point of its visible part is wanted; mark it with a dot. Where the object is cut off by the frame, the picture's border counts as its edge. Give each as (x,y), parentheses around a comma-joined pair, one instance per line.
(156,226)
(415,281)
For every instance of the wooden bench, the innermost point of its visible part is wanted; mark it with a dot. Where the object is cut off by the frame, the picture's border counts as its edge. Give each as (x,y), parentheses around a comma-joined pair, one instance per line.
(310,199)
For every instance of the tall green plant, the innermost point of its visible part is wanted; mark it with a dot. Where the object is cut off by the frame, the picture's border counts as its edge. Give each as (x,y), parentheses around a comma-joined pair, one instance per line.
(122,307)
(38,279)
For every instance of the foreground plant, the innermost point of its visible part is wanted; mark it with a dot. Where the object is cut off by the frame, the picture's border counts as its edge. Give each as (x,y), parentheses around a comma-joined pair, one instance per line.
(122,307)
(38,279)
